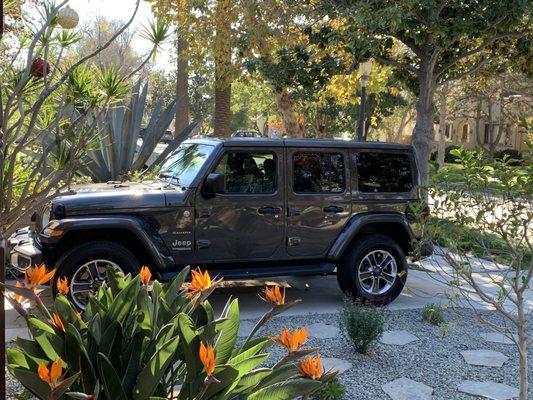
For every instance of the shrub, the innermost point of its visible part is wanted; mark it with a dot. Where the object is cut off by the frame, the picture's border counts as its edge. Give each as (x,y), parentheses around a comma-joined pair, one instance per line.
(433,313)
(133,342)
(363,326)
(333,390)
(448,156)
(511,156)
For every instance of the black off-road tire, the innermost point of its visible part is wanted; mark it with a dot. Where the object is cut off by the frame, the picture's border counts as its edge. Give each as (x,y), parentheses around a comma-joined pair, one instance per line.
(347,269)
(79,255)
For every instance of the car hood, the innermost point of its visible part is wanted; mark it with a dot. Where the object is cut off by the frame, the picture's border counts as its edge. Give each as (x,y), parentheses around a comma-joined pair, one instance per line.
(126,196)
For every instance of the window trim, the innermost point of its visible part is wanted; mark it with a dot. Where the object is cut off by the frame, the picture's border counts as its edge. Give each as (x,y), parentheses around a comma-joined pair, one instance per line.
(415,178)
(320,151)
(250,151)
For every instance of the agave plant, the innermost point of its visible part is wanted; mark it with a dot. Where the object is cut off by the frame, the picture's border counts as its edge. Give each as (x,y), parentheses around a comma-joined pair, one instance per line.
(115,151)
(140,342)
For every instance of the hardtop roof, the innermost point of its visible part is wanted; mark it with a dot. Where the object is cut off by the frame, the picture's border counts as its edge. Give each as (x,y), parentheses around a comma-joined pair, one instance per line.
(306,143)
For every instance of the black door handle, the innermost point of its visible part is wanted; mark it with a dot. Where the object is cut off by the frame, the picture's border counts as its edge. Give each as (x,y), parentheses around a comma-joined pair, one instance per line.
(269,210)
(333,209)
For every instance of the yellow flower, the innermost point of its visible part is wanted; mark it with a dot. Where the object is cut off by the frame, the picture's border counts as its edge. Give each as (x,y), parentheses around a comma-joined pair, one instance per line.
(292,341)
(207,356)
(62,285)
(311,367)
(35,276)
(51,375)
(56,321)
(274,296)
(200,281)
(145,275)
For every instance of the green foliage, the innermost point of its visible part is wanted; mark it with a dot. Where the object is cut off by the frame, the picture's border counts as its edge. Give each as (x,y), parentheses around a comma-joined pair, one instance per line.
(448,156)
(333,390)
(135,343)
(433,313)
(361,325)
(115,153)
(511,156)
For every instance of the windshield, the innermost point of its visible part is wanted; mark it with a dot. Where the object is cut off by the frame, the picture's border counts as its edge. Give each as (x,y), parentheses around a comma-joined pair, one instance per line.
(182,166)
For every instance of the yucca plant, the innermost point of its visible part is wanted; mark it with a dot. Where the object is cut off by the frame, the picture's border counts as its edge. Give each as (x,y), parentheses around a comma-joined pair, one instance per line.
(138,340)
(115,152)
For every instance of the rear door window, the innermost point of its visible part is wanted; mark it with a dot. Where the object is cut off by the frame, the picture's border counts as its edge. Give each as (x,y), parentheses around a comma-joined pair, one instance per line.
(380,172)
(318,173)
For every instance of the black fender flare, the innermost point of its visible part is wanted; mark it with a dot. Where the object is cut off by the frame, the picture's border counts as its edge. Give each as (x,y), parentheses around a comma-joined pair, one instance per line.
(146,234)
(354,226)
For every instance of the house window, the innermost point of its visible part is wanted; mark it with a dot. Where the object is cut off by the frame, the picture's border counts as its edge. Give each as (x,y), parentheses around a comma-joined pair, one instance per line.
(486,136)
(464,133)
(448,132)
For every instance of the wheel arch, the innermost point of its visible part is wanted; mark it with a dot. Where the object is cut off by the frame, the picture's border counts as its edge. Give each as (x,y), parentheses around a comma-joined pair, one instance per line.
(134,234)
(393,225)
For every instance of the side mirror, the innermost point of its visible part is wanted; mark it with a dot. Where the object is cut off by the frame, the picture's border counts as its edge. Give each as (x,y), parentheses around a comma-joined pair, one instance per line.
(213,184)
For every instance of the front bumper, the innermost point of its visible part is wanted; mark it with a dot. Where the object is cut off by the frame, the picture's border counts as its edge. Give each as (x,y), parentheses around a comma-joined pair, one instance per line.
(24,250)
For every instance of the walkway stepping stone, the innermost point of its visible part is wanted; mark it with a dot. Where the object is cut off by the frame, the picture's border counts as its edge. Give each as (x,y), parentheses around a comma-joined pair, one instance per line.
(398,338)
(322,331)
(485,358)
(336,364)
(496,337)
(489,390)
(407,389)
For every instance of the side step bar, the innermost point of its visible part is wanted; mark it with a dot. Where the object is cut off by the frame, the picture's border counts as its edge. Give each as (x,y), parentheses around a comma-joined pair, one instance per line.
(258,271)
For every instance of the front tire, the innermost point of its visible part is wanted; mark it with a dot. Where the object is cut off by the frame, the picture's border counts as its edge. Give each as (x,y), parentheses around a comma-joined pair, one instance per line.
(373,270)
(85,268)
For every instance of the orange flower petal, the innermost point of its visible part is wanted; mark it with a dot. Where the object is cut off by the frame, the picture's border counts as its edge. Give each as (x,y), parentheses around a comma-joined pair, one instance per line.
(56,371)
(145,275)
(311,367)
(62,285)
(207,357)
(44,373)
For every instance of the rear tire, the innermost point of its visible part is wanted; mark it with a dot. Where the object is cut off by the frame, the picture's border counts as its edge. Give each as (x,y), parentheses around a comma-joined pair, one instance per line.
(373,270)
(84,266)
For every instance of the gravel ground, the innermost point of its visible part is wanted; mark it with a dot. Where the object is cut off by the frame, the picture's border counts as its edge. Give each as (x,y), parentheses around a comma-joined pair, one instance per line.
(434,360)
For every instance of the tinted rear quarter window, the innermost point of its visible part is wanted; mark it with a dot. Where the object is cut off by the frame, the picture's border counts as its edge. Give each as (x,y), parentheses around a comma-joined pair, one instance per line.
(380,172)
(318,173)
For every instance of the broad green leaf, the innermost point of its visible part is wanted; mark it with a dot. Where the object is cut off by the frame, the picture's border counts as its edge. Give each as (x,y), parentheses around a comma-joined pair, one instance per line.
(228,333)
(50,341)
(123,304)
(170,291)
(31,381)
(286,390)
(110,380)
(259,346)
(155,369)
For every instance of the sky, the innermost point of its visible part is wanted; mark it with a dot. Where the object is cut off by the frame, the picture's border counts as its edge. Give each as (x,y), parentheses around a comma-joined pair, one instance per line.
(121,10)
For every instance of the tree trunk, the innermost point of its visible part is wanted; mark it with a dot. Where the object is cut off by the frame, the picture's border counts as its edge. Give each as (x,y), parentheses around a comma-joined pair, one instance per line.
(423,133)
(223,74)
(442,125)
(222,111)
(182,88)
(289,117)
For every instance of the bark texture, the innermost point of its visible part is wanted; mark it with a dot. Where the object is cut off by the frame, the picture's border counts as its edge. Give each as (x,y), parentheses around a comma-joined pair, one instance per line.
(423,133)
(442,125)
(182,88)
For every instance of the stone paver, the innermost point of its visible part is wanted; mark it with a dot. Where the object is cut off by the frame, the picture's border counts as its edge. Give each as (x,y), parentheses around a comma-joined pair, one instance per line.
(336,364)
(407,389)
(496,337)
(323,331)
(485,358)
(489,390)
(397,338)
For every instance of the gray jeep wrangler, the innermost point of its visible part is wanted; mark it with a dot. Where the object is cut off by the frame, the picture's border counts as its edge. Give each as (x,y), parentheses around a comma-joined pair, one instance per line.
(242,208)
